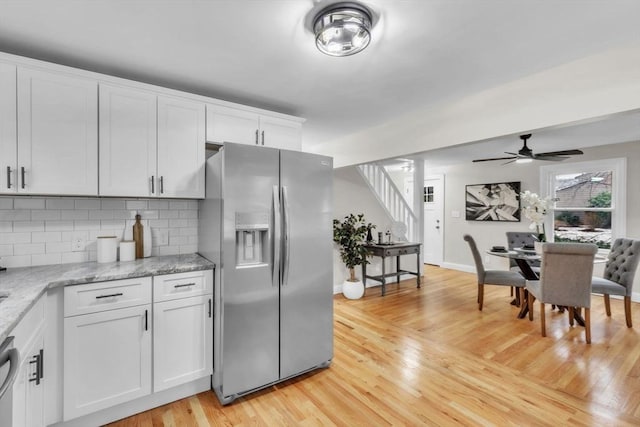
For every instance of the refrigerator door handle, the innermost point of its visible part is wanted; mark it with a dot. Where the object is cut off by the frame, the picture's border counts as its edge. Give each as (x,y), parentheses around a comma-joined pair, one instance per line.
(275,238)
(285,237)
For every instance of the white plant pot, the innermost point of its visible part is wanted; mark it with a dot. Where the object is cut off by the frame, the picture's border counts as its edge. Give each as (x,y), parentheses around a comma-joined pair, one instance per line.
(353,290)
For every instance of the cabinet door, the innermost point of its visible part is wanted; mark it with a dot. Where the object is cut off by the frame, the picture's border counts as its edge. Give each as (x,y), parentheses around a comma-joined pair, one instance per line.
(127,142)
(107,359)
(280,133)
(231,125)
(57,133)
(181,147)
(183,341)
(8,135)
(28,390)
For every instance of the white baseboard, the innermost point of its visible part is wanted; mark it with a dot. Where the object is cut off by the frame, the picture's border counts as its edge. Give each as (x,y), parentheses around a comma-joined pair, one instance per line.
(460,267)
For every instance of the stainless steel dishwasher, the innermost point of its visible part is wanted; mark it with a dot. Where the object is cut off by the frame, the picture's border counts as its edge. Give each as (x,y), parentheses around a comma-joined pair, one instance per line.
(9,360)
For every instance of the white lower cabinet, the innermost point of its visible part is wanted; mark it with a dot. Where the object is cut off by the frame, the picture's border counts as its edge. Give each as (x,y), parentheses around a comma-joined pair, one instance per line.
(183,341)
(107,353)
(28,389)
(126,339)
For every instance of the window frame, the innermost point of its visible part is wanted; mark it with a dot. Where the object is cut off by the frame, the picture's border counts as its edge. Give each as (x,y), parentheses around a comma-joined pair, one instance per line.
(618,194)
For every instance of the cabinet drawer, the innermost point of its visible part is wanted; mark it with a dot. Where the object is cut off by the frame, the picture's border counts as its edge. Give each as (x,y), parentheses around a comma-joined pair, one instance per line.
(96,297)
(182,285)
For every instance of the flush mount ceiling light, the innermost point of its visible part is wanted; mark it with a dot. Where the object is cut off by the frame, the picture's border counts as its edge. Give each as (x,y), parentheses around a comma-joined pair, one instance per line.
(342,29)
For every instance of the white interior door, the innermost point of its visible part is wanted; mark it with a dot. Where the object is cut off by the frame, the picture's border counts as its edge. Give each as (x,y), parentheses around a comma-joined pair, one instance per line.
(433,197)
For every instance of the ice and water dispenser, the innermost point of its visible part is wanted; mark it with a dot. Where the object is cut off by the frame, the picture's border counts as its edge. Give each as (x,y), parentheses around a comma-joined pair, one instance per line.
(252,230)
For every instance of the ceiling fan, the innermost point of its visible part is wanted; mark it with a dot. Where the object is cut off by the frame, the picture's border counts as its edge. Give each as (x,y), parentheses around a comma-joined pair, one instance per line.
(526,155)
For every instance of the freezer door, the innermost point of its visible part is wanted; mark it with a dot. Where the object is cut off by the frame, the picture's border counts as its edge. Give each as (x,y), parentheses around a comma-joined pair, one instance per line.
(250,295)
(306,293)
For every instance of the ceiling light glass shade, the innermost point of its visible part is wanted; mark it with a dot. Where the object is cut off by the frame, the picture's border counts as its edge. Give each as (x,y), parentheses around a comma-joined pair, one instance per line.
(342,29)
(524,160)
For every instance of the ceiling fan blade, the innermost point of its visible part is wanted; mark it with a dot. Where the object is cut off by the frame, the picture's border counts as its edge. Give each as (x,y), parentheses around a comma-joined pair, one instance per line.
(560,153)
(495,158)
(513,154)
(510,161)
(551,158)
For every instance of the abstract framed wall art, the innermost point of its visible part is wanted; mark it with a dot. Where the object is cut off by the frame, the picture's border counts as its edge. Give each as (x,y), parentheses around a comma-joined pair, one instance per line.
(493,202)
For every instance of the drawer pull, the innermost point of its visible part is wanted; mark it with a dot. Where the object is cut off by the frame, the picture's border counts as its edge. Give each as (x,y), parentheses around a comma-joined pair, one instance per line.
(209,307)
(184,285)
(119,294)
(146,320)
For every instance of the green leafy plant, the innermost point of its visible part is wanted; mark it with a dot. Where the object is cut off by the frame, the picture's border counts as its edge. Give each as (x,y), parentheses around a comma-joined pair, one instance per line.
(350,234)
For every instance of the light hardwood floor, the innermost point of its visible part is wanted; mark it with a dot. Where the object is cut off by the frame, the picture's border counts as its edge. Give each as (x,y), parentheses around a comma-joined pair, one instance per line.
(429,357)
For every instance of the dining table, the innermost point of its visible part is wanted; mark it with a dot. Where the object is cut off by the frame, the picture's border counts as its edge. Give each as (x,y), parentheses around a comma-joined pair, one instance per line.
(523,257)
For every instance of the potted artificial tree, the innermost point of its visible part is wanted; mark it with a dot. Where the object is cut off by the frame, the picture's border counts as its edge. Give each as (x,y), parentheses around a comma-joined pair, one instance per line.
(350,234)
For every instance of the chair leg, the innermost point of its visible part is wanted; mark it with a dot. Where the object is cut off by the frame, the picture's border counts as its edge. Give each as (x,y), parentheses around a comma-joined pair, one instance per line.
(607,305)
(543,326)
(480,296)
(530,304)
(511,294)
(571,316)
(587,324)
(627,311)
(523,298)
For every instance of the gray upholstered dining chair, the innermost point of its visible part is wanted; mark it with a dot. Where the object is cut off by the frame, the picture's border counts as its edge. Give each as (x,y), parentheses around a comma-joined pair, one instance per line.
(518,239)
(618,274)
(493,277)
(565,280)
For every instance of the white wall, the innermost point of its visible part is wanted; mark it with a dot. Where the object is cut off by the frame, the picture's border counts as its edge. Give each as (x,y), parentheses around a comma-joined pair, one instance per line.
(39,230)
(590,87)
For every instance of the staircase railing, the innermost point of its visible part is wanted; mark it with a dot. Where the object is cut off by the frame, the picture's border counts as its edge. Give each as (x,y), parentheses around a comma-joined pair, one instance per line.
(390,197)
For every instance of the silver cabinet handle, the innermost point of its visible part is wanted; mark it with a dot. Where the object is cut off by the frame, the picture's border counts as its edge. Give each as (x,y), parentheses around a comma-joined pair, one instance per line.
(38,360)
(262,137)
(8,176)
(153,184)
(209,307)
(22,175)
(161,184)
(119,294)
(183,285)
(146,320)
(256,136)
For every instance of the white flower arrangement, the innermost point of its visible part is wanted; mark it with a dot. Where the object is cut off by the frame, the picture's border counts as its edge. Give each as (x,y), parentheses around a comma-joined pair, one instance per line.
(534,209)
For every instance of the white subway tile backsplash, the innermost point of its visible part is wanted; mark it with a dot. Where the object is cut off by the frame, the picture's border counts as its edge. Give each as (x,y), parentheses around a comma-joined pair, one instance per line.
(23,203)
(46,259)
(15,215)
(113,204)
(58,225)
(13,238)
(28,248)
(87,204)
(45,214)
(60,204)
(22,226)
(137,204)
(46,236)
(75,214)
(38,231)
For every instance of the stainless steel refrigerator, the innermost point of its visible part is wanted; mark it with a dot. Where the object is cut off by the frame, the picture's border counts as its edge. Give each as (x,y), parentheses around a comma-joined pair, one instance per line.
(266,222)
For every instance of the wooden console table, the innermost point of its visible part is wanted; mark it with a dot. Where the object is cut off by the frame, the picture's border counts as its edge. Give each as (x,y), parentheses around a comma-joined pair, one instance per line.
(392,250)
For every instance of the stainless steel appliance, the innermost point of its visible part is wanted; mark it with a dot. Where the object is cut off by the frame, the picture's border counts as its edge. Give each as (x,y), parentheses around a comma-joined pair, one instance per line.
(9,358)
(266,222)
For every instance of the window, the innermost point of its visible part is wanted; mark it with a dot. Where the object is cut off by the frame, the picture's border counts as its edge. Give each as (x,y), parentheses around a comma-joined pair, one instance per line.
(589,201)
(428,194)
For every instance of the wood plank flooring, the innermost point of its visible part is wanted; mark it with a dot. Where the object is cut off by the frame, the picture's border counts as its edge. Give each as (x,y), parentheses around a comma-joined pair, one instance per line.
(429,357)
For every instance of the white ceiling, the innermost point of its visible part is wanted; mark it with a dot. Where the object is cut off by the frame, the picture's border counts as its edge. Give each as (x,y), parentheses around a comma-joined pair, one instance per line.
(262,53)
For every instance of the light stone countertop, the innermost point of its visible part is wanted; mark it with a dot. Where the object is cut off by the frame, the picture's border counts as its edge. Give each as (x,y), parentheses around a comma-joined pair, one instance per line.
(25,285)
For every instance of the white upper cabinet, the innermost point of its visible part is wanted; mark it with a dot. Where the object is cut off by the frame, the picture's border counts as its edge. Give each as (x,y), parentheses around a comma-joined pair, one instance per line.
(57,133)
(127,142)
(8,135)
(225,124)
(181,147)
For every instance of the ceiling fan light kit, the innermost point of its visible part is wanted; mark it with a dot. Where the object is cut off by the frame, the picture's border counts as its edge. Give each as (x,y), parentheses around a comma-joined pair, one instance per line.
(342,29)
(526,155)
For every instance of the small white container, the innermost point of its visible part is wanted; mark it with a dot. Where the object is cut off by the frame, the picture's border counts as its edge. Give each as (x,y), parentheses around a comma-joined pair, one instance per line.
(127,250)
(107,248)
